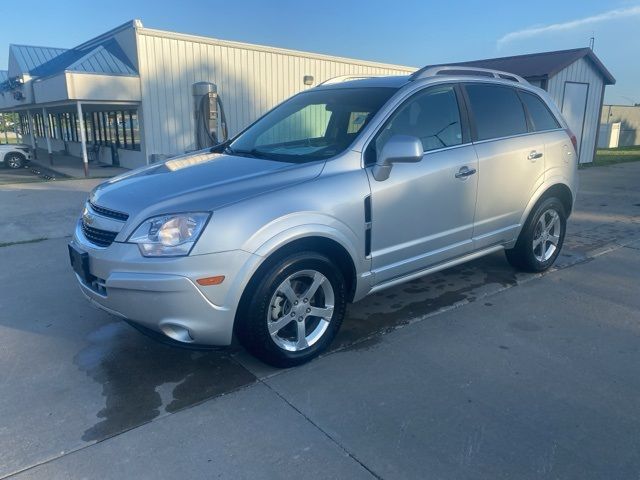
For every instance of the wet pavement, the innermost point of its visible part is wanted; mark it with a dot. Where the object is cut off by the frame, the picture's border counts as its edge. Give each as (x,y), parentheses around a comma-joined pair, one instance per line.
(142,379)
(74,376)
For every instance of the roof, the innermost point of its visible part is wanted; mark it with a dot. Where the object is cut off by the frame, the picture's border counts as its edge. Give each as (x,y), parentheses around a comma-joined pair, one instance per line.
(106,57)
(541,65)
(103,60)
(28,57)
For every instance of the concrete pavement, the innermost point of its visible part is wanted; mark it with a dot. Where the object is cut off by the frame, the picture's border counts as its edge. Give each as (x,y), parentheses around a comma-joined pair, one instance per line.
(485,381)
(538,381)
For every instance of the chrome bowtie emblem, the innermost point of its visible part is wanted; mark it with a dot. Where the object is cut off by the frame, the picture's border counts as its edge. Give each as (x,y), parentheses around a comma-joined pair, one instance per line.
(87,218)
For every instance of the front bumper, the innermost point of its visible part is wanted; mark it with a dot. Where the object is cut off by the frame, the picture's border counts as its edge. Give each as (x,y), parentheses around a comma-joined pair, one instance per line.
(27,154)
(162,294)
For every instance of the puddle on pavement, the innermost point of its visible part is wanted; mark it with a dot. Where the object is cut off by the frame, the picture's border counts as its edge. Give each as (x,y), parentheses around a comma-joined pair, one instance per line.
(396,306)
(142,379)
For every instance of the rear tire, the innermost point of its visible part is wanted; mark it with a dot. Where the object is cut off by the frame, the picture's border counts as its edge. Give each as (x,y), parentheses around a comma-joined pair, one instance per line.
(14,160)
(541,238)
(293,310)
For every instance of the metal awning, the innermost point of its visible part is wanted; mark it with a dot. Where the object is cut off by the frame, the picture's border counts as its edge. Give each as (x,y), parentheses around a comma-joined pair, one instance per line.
(73,87)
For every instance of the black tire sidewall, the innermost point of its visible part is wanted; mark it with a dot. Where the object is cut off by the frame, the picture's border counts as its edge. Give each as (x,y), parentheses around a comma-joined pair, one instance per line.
(252,328)
(526,239)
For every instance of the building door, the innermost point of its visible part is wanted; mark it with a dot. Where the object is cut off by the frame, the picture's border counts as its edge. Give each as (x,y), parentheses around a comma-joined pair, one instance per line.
(574,107)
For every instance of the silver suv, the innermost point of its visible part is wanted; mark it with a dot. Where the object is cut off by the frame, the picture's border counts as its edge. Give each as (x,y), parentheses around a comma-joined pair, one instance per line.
(343,190)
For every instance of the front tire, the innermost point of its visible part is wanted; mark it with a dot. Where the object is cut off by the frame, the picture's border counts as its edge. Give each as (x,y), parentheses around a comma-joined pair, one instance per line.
(292,310)
(541,238)
(14,160)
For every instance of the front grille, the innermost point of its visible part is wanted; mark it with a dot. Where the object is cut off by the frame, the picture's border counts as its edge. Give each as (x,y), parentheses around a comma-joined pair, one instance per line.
(105,212)
(102,238)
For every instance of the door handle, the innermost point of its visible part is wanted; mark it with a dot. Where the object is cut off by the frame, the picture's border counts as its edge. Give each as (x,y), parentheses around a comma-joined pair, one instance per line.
(533,155)
(465,172)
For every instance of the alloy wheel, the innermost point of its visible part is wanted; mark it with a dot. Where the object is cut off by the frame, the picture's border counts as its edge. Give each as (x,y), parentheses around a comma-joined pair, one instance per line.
(546,235)
(13,161)
(300,310)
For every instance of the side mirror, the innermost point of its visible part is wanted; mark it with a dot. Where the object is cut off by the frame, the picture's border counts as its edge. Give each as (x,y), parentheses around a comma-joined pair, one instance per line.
(398,149)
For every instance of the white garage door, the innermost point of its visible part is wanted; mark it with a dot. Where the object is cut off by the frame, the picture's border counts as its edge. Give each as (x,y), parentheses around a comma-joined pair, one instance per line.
(574,107)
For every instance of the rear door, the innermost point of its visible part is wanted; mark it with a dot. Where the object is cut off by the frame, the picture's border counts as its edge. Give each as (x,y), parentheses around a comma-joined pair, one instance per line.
(558,150)
(510,161)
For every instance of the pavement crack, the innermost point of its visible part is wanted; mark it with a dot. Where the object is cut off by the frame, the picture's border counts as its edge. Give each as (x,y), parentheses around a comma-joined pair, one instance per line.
(21,242)
(324,432)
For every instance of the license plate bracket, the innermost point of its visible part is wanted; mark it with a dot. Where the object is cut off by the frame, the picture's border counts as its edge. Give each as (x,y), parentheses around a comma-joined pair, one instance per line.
(80,264)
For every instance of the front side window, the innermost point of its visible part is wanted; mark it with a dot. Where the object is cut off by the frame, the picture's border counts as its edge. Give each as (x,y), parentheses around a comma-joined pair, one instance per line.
(313,125)
(431,116)
(497,111)
(541,117)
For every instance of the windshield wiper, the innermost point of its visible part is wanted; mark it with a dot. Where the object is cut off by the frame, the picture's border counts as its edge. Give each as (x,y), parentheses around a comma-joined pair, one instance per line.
(246,153)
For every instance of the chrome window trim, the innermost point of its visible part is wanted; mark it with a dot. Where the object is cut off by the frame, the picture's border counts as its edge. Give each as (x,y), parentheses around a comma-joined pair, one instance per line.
(444,149)
(526,134)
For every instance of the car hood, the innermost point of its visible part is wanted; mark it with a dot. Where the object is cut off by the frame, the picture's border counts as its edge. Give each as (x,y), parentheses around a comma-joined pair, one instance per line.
(13,146)
(197,182)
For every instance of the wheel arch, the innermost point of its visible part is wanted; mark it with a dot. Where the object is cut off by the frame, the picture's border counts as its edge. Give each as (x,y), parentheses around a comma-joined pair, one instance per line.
(559,190)
(313,242)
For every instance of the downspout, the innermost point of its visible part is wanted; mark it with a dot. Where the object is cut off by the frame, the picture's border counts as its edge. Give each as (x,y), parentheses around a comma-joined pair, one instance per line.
(595,146)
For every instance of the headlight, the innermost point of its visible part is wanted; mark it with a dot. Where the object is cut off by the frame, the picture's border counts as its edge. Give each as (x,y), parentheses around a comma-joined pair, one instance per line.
(169,235)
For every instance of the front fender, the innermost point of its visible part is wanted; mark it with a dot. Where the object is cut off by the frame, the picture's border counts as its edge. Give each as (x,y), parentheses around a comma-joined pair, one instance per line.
(287,230)
(307,231)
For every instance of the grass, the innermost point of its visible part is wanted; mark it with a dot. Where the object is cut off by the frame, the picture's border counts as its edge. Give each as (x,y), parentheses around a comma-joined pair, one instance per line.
(612,156)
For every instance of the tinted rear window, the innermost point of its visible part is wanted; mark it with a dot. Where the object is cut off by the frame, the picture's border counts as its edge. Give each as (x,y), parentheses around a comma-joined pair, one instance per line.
(497,111)
(541,117)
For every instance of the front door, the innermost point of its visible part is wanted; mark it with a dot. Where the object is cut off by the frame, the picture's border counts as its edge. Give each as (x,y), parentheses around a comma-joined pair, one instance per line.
(423,213)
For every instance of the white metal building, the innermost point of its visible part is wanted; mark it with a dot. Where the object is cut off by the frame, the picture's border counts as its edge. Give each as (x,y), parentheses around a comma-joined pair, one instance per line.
(575,79)
(619,126)
(133,89)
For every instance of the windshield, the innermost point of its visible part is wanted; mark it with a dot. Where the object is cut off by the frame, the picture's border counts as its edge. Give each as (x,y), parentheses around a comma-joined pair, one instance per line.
(313,125)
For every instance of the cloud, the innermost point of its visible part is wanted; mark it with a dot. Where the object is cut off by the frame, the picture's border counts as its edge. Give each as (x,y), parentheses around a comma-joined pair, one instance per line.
(570,25)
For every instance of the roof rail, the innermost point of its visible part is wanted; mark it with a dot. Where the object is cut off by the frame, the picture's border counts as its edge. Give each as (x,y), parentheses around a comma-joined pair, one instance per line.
(460,70)
(346,78)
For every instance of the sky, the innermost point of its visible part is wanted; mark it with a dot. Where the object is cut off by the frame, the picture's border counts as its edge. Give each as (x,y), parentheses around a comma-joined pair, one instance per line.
(413,33)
